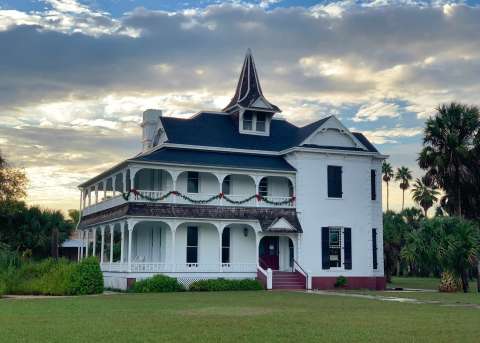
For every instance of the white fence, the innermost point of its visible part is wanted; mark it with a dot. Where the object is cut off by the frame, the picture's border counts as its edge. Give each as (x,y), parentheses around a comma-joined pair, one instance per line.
(163,267)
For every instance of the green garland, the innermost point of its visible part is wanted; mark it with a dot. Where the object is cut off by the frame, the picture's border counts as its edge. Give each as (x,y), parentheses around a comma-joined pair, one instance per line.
(126,196)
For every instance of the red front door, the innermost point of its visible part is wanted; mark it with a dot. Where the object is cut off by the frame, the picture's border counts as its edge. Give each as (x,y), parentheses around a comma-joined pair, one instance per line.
(268,253)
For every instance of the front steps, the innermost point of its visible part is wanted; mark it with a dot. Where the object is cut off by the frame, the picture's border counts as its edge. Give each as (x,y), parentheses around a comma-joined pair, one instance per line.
(287,280)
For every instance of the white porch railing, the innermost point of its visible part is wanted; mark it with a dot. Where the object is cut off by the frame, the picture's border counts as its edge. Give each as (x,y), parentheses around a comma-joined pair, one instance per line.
(198,197)
(165,267)
(154,195)
(104,205)
(249,203)
(277,199)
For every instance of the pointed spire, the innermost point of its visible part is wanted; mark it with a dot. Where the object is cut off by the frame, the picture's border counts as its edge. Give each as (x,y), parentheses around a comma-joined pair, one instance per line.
(248,88)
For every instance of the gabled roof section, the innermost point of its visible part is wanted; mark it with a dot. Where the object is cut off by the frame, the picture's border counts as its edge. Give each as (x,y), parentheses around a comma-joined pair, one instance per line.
(281,225)
(248,92)
(332,123)
(217,130)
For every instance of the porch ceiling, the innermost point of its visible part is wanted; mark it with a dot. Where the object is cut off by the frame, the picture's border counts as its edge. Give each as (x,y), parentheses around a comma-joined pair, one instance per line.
(265,216)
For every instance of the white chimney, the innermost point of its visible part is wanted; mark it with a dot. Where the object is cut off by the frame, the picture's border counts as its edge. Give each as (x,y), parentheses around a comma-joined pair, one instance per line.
(150,120)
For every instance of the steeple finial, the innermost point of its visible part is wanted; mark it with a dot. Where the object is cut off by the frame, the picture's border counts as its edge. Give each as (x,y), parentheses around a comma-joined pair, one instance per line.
(248,88)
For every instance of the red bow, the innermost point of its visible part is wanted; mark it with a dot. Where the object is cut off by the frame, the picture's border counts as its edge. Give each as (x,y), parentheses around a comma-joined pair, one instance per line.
(258,197)
(134,192)
(293,198)
(175,192)
(221,195)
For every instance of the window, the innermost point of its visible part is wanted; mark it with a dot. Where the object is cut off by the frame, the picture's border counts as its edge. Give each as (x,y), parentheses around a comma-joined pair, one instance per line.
(192,244)
(335,247)
(226,185)
(290,188)
(334,182)
(260,126)
(248,121)
(374,248)
(263,187)
(226,245)
(373,184)
(192,182)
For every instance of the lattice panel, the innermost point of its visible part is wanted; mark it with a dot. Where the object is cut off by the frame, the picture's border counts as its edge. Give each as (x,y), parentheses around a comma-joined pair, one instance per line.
(188,281)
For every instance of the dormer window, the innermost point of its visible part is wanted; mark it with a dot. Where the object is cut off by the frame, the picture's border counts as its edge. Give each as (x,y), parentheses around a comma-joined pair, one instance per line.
(255,122)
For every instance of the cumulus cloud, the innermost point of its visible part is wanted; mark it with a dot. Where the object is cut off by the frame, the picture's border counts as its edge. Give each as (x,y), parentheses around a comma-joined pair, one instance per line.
(74,69)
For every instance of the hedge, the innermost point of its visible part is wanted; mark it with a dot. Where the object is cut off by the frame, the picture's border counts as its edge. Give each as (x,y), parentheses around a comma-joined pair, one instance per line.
(214,285)
(2,288)
(157,283)
(87,277)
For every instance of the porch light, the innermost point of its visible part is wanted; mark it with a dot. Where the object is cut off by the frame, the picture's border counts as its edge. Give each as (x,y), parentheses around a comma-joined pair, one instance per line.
(245,231)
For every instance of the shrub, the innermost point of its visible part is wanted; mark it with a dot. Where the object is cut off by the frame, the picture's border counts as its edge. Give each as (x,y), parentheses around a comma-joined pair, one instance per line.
(38,269)
(12,279)
(56,282)
(157,283)
(2,288)
(214,285)
(86,277)
(27,255)
(9,259)
(341,281)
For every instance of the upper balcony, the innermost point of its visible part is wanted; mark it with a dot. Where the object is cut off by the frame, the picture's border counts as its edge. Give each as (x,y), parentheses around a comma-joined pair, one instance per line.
(212,188)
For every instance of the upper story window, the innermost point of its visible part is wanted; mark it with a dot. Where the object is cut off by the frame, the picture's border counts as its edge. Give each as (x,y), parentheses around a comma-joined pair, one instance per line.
(373,182)
(255,122)
(192,182)
(335,182)
(263,187)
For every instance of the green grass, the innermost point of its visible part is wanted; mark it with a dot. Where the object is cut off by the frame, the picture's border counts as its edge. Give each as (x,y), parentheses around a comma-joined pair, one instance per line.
(420,283)
(255,316)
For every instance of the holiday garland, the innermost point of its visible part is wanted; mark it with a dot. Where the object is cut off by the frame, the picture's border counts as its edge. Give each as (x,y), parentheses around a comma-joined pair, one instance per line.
(259,197)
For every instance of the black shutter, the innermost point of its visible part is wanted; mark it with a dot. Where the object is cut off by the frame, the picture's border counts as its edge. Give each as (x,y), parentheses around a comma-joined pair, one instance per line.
(331,182)
(325,248)
(374,243)
(347,234)
(373,183)
(338,182)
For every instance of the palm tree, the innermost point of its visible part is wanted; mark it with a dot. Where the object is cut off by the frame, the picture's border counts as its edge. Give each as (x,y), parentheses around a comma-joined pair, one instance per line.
(405,175)
(387,172)
(424,195)
(451,150)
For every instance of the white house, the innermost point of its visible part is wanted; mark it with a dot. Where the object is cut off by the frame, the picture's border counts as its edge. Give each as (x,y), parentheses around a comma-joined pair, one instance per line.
(240,194)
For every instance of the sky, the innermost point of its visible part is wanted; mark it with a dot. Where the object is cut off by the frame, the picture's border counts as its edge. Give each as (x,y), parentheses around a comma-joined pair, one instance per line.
(76,75)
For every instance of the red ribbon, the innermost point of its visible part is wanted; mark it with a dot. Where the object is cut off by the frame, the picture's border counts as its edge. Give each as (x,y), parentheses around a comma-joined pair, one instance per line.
(293,198)
(258,197)
(134,192)
(175,192)
(221,195)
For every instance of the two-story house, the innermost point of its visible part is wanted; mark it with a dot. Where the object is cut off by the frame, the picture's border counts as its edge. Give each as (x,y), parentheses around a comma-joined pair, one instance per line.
(242,193)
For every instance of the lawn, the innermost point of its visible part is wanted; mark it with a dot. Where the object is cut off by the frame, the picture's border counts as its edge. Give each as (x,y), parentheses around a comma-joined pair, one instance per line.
(420,283)
(425,283)
(256,316)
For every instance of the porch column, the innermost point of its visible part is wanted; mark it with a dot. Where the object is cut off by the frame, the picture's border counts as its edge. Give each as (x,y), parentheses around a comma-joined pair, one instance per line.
(94,233)
(89,196)
(174,185)
(130,229)
(104,190)
(78,243)
(102,248)
(220,232)
(122,227)
(133,171)
(86,250)
(111,243)
(257,187)
(113,186)
(80,237)
(96,194)
(220,179)
(257,240)
(124,180)
(299,242)
(84,198)
(173,248)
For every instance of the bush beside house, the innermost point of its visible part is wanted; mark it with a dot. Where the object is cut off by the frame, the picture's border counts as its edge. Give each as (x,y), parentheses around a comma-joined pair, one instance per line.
(214,285)
(157,283)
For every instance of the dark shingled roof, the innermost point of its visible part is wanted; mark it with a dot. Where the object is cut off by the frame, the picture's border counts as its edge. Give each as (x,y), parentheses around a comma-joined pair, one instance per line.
(216,159)
(265,216)
(248,87)
(217,130)
(364,141)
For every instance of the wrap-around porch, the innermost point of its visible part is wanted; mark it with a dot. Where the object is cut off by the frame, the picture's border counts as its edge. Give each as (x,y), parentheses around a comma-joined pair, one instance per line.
(193,246)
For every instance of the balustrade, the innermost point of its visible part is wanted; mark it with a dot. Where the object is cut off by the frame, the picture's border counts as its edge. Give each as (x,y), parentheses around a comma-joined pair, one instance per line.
(165,267)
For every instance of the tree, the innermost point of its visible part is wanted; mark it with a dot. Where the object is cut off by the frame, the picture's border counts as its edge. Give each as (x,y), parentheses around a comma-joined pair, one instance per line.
(13,182)
(387,172)
(405,175)
(424,195)
(451,150)
(451,244)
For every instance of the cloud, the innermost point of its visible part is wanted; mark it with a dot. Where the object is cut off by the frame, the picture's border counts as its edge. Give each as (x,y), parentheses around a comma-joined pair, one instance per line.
(372,112)
(385,135)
